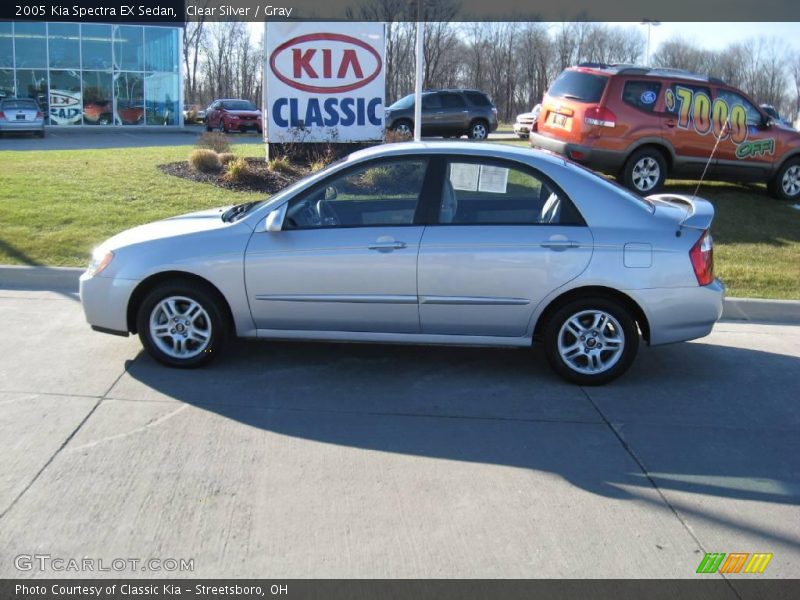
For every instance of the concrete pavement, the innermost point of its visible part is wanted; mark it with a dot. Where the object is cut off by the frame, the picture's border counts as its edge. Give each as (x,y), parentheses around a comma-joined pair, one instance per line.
(324,460)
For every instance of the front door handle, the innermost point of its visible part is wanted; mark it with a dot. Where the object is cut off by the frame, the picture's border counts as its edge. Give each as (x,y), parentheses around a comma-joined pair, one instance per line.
(387,246)
(559,244)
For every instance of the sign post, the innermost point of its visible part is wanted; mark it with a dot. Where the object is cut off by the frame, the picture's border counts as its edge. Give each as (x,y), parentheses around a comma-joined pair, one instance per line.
(418,82)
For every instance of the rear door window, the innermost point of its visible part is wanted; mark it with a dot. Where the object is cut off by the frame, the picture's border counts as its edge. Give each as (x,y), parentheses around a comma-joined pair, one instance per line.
(431,102)
(641,94)
(453,101)
(579,86)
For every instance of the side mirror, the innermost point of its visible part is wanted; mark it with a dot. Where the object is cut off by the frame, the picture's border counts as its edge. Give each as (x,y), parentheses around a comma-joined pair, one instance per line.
(274,220)
(767,122)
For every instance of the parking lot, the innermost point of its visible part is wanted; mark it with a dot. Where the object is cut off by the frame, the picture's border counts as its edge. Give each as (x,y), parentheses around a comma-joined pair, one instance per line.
(323,460)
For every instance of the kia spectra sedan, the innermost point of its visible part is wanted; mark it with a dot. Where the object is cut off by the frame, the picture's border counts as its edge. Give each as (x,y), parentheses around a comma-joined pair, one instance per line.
(422,243)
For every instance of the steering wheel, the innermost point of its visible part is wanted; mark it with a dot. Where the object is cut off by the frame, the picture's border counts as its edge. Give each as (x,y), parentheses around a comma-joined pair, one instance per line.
(326,214)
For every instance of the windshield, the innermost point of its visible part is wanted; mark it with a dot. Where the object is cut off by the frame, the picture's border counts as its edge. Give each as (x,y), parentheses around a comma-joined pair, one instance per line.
(610,183)
(404,102)
(237,212)
(239,105)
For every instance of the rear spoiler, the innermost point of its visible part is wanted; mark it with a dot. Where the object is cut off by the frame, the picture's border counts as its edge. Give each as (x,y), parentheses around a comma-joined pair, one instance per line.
(699,212)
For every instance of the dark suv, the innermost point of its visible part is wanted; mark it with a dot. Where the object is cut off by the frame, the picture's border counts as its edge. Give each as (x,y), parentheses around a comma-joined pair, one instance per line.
(450,113)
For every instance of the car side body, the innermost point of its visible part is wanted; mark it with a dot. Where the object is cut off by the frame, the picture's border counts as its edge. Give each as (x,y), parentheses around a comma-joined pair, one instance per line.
(448,113)
(233,115)
(456,269)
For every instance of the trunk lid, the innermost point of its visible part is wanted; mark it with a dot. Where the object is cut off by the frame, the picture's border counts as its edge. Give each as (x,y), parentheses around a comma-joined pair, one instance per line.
(689,212)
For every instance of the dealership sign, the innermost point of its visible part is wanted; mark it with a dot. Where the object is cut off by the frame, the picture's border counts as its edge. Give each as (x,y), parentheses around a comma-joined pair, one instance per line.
(65,107)
(325,82)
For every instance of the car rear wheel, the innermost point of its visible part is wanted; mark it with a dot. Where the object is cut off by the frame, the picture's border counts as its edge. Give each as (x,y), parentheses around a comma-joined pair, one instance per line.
(181,324)
(591,341)
(645,171)
(478,130)
(786,183)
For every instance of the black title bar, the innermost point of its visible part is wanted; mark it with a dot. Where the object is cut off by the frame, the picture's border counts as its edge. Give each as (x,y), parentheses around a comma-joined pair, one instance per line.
(177,11)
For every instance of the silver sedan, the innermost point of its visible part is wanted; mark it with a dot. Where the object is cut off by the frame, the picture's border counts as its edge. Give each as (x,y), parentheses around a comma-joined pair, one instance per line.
(426,243)
(18,115)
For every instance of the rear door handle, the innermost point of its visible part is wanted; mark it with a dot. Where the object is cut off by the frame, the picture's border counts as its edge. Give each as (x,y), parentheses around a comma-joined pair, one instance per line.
(559,244)
(670,123)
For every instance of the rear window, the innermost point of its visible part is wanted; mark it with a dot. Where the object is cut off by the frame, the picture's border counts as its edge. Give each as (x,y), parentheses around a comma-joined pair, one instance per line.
(580,86)
(478,99)
(641,94)
(20,105)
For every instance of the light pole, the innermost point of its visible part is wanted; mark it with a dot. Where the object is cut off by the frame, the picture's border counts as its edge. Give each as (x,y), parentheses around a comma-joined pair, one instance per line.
(650,24)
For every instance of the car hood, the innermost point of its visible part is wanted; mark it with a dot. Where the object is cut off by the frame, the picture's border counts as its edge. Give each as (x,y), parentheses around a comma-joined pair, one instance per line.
(527,115)
(204,220)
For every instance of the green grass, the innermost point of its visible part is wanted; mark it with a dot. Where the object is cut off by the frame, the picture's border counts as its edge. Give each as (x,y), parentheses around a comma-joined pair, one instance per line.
(56,205)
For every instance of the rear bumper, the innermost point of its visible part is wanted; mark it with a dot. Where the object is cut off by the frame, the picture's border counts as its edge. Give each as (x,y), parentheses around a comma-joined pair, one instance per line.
(105,302)
(608,161)
(27,126)
(680,314)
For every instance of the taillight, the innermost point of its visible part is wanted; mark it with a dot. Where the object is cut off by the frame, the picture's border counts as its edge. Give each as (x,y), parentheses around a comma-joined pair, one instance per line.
(2,116)
(702,257)
(599,117)
(40,115)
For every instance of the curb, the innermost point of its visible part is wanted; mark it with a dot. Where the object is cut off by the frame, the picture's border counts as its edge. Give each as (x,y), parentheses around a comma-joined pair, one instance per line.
(756,310)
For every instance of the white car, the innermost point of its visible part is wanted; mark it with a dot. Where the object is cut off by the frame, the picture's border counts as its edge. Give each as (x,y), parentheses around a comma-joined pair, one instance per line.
(526,122)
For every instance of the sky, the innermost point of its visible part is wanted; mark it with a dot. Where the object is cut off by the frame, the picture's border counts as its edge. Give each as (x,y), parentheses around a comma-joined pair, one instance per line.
(711,36)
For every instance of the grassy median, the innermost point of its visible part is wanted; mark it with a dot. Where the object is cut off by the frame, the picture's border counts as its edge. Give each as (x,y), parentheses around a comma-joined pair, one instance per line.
(56,205)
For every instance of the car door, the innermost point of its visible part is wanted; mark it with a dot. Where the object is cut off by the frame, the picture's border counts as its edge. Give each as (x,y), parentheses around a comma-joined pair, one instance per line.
(505,236)
(345,258)
(212,116)
(455,116)
(684,131)
(747,151)
(432,114)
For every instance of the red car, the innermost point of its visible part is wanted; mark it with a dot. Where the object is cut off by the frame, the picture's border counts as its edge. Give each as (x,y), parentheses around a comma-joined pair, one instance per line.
(233,115)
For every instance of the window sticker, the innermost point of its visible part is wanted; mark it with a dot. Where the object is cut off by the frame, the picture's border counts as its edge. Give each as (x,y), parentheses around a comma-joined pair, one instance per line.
(648,97)
(464,176)
(493,179)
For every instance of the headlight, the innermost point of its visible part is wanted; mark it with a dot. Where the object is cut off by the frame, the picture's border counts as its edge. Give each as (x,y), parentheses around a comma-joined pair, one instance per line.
(100,260)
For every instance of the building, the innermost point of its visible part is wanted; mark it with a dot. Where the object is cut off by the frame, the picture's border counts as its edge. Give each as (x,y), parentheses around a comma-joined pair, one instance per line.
(92,74)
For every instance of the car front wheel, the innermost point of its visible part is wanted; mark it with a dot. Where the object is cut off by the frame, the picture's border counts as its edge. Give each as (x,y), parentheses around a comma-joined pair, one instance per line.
(591,341)
(786,183)
(182,324)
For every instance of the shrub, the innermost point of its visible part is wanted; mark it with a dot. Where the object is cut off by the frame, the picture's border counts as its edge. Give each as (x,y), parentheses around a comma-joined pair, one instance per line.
(205,160)
(237,170)
(226,157)
(378,178)
(280,164)
(214,140)
(391,136)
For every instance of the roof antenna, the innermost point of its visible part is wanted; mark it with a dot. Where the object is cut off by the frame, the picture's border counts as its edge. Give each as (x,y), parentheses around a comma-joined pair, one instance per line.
(711,156)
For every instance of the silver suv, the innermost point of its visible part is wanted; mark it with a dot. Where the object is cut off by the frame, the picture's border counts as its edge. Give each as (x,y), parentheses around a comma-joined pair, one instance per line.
(449,113)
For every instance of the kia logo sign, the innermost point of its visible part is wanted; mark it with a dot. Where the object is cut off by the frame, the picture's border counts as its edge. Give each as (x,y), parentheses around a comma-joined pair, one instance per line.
(325,63)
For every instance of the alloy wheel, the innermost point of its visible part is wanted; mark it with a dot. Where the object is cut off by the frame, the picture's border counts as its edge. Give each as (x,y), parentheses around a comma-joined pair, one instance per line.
(645,174)
(180,327)
(791,181)
(591,342)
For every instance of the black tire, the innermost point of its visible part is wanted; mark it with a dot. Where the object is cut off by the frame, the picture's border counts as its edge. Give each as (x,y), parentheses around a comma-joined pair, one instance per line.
(523,136)
(40,134)
(215,323)
(477,126)
(208,125)
(644,171)
(403,126)
(582,311)
(785,185)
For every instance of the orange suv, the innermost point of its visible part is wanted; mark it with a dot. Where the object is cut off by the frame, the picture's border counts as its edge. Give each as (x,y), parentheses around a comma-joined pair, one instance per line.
(642,124)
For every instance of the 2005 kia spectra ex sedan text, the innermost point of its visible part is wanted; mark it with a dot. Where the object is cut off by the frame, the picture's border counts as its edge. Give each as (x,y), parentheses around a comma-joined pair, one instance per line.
(433,243)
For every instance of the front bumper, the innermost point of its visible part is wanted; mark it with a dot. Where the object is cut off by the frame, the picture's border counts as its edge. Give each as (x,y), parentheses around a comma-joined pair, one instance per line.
(521,129)
(105,302)
(608,161)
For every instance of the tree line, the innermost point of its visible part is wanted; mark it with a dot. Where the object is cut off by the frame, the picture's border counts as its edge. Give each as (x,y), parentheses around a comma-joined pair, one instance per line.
(513,62)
